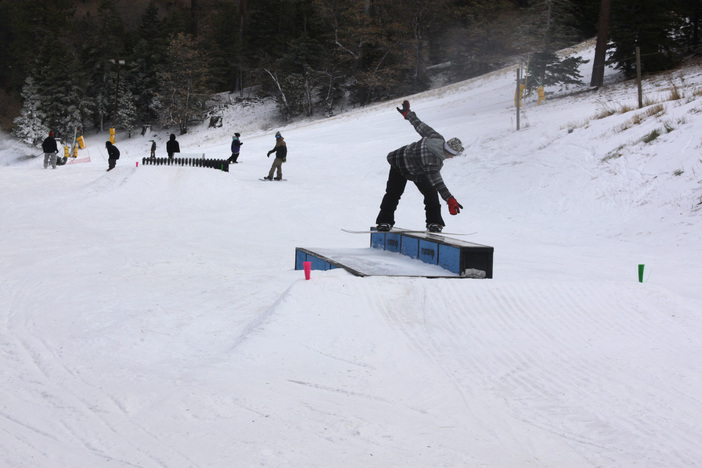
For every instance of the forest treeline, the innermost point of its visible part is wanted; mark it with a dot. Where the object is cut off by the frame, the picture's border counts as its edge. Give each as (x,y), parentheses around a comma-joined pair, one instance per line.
(93,63)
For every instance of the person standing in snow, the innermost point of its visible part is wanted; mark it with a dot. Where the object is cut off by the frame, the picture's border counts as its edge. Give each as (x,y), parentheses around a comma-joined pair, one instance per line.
(281,151)
(50,150)
(112,155)
(172,146)
(153,149)
(236,147)
(420,162)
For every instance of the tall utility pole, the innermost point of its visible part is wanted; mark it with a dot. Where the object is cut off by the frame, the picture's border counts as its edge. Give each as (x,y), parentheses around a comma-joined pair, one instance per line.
(598,64)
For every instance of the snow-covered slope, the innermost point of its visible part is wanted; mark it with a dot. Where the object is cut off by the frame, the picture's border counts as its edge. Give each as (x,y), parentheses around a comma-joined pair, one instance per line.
(151,316)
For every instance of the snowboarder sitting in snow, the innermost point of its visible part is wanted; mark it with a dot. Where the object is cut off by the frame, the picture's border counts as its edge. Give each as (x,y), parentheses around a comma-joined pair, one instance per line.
(420,162)
(172,146)
(236,148)
(50,150)
(281,151)
(112,155)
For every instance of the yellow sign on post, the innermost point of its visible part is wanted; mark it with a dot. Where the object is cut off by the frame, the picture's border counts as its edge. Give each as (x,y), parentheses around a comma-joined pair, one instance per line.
(66,152)
(112,135)
(81,142)
(542,95)
(519,95)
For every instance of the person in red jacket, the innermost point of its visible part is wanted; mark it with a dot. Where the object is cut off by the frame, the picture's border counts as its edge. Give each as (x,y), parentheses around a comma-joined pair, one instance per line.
(420,162)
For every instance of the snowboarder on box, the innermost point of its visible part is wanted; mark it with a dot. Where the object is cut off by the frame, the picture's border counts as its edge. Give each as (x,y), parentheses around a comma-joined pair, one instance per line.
(172,146)
(420,162)
(112,155)
(50,150)
(236,148)
(281,151)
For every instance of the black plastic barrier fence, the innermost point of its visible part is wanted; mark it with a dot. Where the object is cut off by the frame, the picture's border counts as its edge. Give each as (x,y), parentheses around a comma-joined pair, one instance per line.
(221,164)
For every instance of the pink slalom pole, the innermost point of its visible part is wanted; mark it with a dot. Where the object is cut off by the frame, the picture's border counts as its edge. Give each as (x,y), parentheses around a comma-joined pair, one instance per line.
(308,269)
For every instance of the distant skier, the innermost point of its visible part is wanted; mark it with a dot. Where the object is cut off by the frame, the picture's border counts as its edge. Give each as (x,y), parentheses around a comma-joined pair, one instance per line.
(420,162)
(112,155)
(281,152)
(236,148)
(50,150)
(172,146)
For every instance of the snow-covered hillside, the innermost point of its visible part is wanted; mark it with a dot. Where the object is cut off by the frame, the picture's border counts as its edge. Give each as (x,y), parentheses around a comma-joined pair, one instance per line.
(151,316)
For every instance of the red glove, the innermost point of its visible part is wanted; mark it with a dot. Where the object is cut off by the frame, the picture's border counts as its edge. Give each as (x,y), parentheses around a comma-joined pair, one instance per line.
(454,206)
(405,109)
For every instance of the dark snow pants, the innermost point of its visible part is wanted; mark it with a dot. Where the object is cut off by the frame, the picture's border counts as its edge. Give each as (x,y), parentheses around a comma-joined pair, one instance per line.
(393,192)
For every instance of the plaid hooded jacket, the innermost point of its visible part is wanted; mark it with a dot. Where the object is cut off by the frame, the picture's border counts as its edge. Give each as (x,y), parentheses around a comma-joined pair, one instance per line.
(422,158)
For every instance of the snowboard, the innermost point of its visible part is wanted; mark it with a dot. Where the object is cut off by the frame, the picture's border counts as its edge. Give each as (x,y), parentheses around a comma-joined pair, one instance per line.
(411,231)
(268,180)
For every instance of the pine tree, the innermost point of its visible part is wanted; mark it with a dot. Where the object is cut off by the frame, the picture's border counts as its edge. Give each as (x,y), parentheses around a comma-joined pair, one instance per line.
(484,34)
(226,46)
(651,25)
(547,69)
(552,26)
(299,66)
(183,83)
(30,23)
(61,88)
(126,109)
(29,126)
(147,54)
(5,41)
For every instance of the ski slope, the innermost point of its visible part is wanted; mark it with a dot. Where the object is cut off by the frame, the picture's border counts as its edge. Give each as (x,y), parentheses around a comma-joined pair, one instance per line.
(151,316)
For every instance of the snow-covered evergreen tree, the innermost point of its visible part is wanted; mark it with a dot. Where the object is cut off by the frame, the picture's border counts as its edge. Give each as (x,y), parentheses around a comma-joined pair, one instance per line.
(29,125)
(126,109)
(62,89)
(149,50)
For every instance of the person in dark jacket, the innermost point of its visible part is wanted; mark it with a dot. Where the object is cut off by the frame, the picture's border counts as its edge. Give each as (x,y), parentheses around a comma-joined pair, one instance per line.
(172,146)
(50,150)
(420,162)
(281,152)
(236,148)
(153,149)
(112,155)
